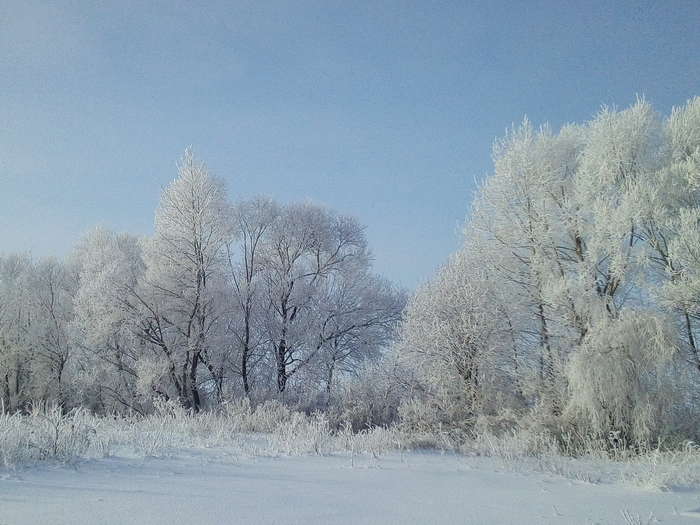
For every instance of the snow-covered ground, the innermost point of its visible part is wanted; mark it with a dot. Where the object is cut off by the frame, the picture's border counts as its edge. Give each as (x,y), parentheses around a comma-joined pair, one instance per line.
(210,487)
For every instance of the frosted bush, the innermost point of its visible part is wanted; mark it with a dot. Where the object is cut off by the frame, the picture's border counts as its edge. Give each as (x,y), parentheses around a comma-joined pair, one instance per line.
(658,469)
(49,434)
(303,435)
(514,444)
(377,441)
(270,429)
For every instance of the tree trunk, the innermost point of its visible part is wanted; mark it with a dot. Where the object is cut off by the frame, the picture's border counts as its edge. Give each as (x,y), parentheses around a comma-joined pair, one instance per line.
(7,399)
(329,383)
(691,339)
(244,357)
(194,390)
(281,366)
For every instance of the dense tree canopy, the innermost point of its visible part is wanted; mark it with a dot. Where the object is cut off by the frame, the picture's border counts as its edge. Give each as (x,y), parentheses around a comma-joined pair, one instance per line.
(573,298)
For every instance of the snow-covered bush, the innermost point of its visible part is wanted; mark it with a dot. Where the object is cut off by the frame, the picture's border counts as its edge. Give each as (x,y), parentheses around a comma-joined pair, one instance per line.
(48,434)
(662,469)
(371,398)
(303,435)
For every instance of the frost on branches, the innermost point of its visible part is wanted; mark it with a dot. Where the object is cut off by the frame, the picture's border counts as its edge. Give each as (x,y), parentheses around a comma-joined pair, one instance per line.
(571,309)
(573,302)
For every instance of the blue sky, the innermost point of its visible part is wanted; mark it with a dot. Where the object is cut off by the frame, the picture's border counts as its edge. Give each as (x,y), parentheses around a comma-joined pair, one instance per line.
(384,110)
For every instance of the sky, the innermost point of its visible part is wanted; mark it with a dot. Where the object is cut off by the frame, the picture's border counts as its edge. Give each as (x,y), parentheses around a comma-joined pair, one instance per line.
(379,109)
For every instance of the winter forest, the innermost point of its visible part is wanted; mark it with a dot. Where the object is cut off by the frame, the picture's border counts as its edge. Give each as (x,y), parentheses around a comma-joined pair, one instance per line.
(567,322)
(226,299)
(571,304)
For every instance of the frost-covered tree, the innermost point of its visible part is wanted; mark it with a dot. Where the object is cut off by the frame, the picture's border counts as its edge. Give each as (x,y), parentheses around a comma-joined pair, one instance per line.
(111,266)
(52,286)
(16,354)
(252,222)
(306,246)
(359,314)
(582,260)
(673,231)
(304,302)
(222,300)
(448,338)
(525,230)
(36,346)
(178,299)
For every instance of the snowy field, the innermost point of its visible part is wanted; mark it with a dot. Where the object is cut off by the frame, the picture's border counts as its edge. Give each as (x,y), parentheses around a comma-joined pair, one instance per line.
(211,487)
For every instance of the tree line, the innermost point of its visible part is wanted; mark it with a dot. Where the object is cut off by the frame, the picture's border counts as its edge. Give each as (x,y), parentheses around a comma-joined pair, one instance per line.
(571,308)
(573,304)
(253,298)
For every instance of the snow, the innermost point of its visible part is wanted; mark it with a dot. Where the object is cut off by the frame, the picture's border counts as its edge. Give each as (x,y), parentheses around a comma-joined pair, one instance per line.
(211,487)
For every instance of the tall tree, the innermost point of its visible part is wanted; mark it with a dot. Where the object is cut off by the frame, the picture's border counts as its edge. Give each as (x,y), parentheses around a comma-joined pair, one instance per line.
(307,245)
(179,296)
(110,266)
(252,224)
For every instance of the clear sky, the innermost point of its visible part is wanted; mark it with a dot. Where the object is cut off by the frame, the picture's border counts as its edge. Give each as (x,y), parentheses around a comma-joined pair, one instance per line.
(384,110)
